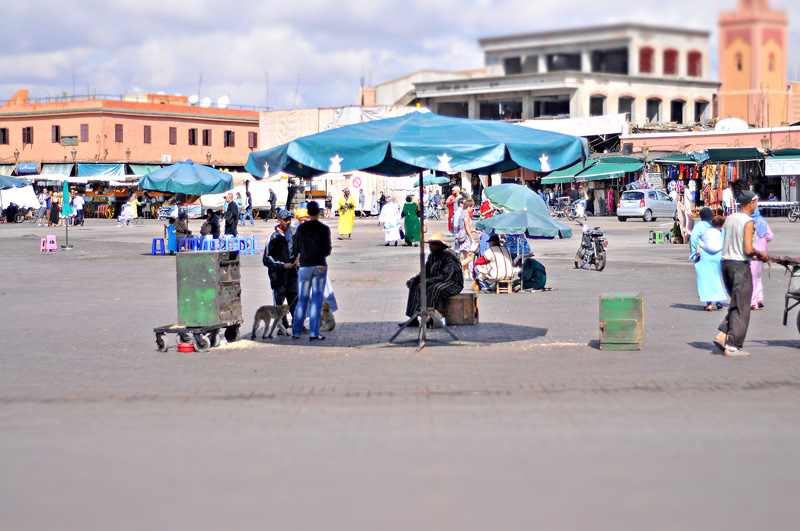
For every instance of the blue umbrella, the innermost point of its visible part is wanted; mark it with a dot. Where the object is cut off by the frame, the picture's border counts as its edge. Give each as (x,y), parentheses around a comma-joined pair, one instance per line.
(408,144)
(186,177)
(525,222)
(513,197)
(416,142)
(7,182)
(433,179)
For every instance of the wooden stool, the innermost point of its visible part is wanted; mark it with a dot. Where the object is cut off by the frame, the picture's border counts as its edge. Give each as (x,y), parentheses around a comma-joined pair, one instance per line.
(461,309)
(505,286)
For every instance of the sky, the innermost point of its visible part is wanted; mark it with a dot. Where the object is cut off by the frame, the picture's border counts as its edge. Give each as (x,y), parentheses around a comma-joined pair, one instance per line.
(292,54)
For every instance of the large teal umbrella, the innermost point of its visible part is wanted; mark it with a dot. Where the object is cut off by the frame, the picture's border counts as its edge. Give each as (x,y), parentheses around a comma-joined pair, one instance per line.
(186,177)
(408,144)
(513,197)
(417,142)
(532,224)
(433,179)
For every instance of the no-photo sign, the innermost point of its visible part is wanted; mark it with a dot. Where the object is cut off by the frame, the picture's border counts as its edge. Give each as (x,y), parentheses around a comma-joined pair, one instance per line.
(356,182)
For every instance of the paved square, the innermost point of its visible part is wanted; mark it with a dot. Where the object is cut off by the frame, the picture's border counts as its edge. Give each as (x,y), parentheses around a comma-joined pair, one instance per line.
(537,429)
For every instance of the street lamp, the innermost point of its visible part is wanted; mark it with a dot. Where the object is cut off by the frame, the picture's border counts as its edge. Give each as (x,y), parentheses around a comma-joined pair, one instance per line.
(208,157)
(128,154)
(765,143)
(74,153)
(16,155)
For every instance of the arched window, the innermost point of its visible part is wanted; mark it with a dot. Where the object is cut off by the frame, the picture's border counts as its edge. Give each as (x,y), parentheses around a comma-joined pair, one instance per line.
(739,62)
(695,64)
(670,62)
(646,60)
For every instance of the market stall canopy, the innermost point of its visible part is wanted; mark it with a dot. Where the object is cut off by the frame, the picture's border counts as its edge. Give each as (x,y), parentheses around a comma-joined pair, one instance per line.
(679,158)
(187,177)
(408,144)
(105,171)
(144,169)
(432,179)
(6,169)
(513,197)
(525,222)
(716,155)
(22,196)
(567,175)
(610,168)
(783,162)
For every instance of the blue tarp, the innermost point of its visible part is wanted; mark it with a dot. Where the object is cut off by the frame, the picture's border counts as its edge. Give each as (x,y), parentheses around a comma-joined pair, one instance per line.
(101,170)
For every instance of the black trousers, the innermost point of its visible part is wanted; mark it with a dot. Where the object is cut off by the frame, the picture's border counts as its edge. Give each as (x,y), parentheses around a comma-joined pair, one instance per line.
(288,294)
(739,283)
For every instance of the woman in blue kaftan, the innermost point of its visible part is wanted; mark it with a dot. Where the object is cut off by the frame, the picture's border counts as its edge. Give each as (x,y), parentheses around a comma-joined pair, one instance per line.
(707,266)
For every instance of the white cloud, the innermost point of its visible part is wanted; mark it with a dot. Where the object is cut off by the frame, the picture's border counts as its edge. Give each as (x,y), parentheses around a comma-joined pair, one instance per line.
(156,45)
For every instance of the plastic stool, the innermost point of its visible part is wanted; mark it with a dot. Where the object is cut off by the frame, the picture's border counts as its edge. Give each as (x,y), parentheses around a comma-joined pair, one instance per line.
(505,286)
(659,234)
(49,244)
(157,247)
(256,244)
(652,237)
(209,244)
(248,246)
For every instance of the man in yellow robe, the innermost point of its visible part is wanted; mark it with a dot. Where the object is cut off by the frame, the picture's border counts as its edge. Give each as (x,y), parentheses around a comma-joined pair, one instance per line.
(347,214)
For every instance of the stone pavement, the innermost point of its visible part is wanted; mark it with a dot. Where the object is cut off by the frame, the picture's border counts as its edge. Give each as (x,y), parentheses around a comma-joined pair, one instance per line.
(538,430)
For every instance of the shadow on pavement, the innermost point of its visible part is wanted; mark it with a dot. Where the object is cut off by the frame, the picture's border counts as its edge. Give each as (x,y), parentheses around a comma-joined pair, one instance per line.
(359,334)
(699,307)
(705,345)
(778,343)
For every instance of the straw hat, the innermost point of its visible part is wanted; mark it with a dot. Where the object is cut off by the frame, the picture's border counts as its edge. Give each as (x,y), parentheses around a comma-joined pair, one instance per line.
(437,237)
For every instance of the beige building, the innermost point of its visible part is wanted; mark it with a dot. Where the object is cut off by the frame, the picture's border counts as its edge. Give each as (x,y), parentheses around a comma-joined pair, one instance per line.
(651,74)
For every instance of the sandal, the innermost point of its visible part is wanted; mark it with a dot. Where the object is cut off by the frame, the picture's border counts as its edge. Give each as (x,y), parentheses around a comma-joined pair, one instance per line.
(735,353)
(709,308)
(719,344)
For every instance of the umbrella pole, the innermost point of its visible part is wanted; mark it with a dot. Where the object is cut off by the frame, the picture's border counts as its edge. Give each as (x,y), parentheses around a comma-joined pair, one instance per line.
(423,292)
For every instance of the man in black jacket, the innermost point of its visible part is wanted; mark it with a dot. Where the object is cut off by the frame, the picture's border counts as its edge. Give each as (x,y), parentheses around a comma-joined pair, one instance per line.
(280,261)
(312,246)
(231,215)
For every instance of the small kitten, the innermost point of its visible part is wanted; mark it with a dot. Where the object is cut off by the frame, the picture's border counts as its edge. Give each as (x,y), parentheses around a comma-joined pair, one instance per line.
(272,317)
(327,321)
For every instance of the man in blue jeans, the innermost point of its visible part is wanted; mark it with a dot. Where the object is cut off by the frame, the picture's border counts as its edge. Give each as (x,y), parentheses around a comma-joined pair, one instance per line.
(312,245)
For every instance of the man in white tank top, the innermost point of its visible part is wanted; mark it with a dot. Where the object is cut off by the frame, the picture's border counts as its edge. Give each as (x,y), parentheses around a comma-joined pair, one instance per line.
(736,253)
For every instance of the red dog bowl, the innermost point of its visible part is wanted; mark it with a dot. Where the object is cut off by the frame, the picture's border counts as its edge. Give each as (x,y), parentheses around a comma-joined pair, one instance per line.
(185,347)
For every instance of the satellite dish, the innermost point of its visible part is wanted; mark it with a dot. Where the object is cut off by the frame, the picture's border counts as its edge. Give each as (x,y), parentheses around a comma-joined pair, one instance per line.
(161,93)
(178,94)
(205,102)
(223,102)
(193,99)
(731,125)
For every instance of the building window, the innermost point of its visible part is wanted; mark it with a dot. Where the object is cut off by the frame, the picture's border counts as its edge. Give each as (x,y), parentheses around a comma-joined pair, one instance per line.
(625,107)
(4,136)
(55,134)
(453,109)
(695,64)
(597,105)
(739,62)
(700,109)
(670,62)
(148,135)
(84,132)
(512,65)
(27,135)
(610,61)
(252,140)
(676,111)
(653,110)
(228,139)
(563,61)
(771,62)
(173,135)
(555,106)
(193,137)
(118,133)
(206,137)
(501,110)
(646,60)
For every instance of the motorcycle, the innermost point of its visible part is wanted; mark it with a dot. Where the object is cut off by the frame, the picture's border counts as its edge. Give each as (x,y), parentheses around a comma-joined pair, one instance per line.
(794,212)
(576,210)
(592,249)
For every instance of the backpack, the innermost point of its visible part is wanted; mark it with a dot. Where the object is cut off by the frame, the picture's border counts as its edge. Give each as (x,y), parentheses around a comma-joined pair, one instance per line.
(459,228)
(534,274)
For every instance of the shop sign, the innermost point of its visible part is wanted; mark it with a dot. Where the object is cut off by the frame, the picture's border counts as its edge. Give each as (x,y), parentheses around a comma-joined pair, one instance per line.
(775,168)
(654,181)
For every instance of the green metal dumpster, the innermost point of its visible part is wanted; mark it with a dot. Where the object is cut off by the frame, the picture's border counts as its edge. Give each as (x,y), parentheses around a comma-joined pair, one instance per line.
(209,288)
(621,321)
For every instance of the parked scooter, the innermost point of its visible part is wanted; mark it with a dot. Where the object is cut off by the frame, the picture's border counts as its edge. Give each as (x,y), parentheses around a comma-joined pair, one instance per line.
(592,250)
(576,210)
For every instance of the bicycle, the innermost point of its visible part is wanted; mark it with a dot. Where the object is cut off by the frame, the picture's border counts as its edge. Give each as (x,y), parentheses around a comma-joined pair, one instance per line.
(433,212)
(794,212)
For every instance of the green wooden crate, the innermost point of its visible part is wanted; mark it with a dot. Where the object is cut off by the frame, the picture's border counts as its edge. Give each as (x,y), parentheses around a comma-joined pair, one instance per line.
(621,321)
(209,288)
